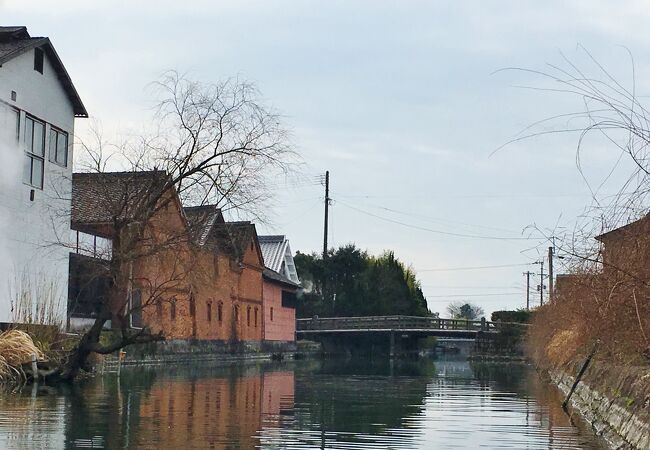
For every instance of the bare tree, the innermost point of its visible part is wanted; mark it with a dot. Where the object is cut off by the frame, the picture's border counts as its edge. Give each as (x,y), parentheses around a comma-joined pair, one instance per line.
(462,310)
(213,144)
(606,297)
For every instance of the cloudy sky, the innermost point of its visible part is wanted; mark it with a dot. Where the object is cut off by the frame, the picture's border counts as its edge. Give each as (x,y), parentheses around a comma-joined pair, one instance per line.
(398,100)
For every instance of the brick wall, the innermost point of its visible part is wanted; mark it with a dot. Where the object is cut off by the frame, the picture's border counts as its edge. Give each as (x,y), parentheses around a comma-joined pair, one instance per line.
(198,293)
(279,322)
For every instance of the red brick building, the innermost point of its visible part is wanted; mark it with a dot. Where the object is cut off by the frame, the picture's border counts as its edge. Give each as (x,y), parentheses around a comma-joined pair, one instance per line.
(279,308)
(193,276)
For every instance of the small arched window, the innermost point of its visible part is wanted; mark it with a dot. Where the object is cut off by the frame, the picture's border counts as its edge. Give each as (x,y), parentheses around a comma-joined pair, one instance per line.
(209,311)
(220,312)
(271,314)
(237,313)
(172,309)
(248,316)
(255,317)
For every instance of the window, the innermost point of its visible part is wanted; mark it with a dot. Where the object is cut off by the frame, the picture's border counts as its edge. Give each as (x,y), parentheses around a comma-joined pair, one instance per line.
(172,309)
(248,316)
(237,313)
(136,308)
(192,306)
(220,312)
(271,314)
(38,60)
(288,299)
(58,147)
(255,317)
(35,148)
(209,311)
(159,308)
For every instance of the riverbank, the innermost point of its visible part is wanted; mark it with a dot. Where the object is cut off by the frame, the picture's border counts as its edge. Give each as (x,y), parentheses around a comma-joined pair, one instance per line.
(614,401)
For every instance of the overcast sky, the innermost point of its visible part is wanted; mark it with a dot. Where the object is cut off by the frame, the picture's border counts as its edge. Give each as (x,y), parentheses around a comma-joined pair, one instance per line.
(398,100)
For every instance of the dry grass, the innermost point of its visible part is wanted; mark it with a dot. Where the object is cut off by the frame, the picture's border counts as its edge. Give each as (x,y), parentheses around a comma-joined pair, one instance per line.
(610,308)
(16,349)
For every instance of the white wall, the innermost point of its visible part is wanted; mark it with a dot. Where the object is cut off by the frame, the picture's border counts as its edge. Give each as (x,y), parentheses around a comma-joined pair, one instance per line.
(31,231)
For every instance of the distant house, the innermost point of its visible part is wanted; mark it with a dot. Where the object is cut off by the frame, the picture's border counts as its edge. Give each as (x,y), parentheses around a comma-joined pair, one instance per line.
(38,107)
(204,283)
(625,252)
(278,257)
(628,248)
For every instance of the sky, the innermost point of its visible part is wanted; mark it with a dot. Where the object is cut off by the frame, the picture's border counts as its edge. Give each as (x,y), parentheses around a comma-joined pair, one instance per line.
(403,102)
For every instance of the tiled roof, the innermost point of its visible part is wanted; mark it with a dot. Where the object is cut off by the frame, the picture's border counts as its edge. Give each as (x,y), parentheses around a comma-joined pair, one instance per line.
(14,41)
(102,198)
(202,220)
(273,250)
(278,278)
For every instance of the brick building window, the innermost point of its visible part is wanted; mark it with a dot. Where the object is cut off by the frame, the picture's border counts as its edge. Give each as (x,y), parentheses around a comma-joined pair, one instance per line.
(209,311)
(271,314)
(159,309)
(172,309)
(255,317)
(192,306)
(220,312)
(237,313)
(248,316)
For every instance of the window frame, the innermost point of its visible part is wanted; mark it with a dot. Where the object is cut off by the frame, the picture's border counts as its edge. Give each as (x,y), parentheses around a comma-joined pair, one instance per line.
(29,150)
(53,155)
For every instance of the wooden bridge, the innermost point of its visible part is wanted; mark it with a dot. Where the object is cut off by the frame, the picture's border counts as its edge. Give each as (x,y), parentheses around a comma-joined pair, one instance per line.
(401,326)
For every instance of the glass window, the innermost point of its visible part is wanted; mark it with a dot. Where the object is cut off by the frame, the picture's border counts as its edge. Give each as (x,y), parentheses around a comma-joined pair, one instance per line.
(29,132)
(35,148)
(58,147)
(38,145)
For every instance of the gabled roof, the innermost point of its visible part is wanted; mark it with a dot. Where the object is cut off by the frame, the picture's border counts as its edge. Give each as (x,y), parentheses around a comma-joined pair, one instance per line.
(233,238)
(14,41)
(277,255)
(101,198)
(202,220)
(273,249)
(276,277)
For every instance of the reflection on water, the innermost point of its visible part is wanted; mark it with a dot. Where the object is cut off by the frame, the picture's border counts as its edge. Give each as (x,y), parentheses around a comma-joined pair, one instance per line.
(307,404)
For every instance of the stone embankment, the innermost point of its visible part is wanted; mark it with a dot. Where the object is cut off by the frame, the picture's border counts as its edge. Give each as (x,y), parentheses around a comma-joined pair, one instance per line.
(614,400)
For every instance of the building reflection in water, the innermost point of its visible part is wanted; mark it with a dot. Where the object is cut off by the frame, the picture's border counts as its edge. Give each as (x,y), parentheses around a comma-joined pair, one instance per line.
(351,404)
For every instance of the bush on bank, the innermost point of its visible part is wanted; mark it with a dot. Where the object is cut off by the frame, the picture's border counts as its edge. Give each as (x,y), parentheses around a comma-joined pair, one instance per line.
(611,312)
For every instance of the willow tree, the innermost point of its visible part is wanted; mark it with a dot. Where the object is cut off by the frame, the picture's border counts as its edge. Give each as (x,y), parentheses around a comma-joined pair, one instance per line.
(213,144)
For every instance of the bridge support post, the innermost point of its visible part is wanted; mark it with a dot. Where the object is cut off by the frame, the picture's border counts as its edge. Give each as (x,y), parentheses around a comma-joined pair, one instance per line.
(392,344)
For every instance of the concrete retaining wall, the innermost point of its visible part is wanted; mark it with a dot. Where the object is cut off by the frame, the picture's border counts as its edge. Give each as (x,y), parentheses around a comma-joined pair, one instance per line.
(620,427)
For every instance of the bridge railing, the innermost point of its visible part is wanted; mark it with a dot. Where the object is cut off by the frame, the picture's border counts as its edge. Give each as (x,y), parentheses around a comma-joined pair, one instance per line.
(392,323)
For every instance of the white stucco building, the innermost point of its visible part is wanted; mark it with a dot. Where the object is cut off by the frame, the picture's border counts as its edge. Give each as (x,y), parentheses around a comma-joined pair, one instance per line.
(38,106)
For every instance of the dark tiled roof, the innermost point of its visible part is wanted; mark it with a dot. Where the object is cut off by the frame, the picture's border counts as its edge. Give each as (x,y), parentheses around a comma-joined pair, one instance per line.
(102,198)
(234,238)
(201,220)
(272,275)
(14,41)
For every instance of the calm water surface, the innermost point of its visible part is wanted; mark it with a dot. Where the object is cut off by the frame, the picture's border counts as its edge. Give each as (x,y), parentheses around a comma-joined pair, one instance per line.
(306,404)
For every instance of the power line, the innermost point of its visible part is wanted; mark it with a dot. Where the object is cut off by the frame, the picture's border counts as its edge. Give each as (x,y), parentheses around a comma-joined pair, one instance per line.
(446,233)
(449,269)
(499,294)
(439,220)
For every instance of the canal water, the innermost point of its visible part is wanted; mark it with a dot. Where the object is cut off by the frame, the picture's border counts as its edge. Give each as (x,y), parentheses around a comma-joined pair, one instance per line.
(334,404)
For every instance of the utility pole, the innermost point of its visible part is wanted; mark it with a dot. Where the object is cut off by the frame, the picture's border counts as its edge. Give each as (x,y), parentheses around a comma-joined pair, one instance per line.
(327,205)
(541,282)
(528,274)
(550,273)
